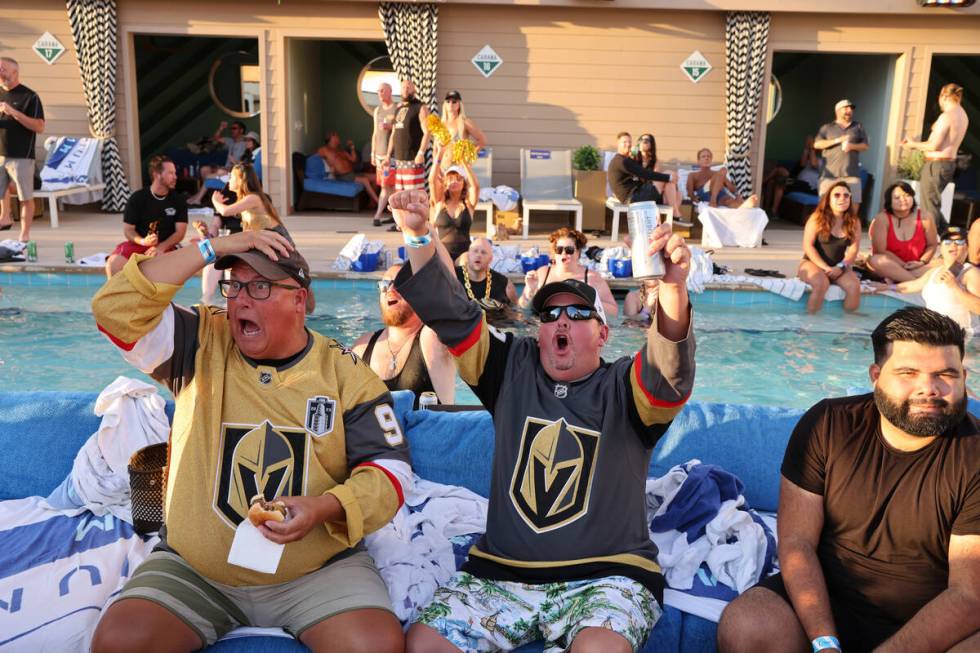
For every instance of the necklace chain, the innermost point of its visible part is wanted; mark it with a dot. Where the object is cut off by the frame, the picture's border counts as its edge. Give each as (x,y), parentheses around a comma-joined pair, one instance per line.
(393,365)
(469,288)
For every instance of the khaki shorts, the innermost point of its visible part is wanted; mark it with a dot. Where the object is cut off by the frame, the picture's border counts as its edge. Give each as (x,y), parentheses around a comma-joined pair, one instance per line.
(19,171)
(854,183)
(213,609)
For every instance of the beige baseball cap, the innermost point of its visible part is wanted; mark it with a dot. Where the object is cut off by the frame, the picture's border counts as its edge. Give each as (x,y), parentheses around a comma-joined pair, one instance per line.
(843,103)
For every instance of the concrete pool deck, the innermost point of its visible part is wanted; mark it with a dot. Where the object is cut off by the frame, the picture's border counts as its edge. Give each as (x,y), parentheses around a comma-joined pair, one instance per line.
(320,236)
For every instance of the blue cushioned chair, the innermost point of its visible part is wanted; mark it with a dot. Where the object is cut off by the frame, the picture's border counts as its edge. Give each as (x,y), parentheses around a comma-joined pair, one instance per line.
(319,191)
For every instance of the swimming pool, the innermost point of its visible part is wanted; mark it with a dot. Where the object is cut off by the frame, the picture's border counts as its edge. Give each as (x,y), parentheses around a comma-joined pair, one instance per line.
(753,347)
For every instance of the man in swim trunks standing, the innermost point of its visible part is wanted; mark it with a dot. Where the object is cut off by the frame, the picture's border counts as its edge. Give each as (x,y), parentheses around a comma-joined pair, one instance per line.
(567,551)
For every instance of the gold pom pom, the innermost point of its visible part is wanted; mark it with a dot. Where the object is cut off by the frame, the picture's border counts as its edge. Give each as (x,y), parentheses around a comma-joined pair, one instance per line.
(438,130)
(464,152)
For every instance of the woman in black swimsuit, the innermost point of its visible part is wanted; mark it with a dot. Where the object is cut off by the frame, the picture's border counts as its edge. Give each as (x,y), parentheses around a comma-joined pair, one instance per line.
(455,194)
(831,240)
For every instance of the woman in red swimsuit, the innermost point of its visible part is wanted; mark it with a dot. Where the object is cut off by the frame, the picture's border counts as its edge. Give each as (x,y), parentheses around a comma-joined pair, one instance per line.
(903,238)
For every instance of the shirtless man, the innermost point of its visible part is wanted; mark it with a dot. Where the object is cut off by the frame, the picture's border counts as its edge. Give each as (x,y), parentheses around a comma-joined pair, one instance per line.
(944,141)
(341,163)
(714,186)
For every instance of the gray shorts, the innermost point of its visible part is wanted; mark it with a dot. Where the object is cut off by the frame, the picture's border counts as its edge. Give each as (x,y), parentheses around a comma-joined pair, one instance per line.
(212,609)
(19,171)
(854,183)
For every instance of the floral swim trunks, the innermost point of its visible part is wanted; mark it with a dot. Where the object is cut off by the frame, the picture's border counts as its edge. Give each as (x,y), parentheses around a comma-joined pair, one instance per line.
(490,615)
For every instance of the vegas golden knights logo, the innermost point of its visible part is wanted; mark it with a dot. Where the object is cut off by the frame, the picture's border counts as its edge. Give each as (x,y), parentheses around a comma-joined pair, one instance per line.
(263,459)
(553,478)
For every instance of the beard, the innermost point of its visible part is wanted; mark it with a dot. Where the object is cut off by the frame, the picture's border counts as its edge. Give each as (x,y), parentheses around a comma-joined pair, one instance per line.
(396,315)
(898,413)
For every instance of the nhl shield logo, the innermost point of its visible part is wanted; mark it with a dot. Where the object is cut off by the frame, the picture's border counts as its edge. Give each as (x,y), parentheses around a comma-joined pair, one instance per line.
(319,415)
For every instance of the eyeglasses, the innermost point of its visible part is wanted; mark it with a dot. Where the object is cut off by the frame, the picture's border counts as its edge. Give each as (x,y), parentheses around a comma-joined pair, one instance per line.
(574,313)
(568,249)
(256,288)
(385,285)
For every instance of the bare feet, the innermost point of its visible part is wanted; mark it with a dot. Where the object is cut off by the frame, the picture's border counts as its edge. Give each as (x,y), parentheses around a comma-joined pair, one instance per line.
(751,203)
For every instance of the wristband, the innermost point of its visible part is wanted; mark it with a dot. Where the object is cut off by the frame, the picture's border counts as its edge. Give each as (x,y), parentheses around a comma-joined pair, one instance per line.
(842,265)
(207,252)
(824,642)
(418,241)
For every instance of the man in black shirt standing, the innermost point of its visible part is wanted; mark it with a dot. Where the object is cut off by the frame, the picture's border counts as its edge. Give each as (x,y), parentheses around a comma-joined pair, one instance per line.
(628,179)
(155,218)
(879,511)
(409,140)
(21,120)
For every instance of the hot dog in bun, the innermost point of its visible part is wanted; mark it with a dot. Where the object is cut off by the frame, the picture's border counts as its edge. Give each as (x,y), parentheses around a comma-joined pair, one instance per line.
(262,511)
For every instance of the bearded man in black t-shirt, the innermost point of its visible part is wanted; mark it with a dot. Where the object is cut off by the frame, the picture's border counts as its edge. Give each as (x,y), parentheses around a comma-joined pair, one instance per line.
(21,120)
(155,219)
(879,511)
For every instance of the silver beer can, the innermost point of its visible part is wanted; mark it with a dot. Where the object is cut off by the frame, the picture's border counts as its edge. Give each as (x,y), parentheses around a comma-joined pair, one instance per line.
(643,218)
(427,399)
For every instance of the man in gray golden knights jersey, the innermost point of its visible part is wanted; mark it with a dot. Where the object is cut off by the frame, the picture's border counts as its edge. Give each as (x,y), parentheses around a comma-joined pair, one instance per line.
(567,552)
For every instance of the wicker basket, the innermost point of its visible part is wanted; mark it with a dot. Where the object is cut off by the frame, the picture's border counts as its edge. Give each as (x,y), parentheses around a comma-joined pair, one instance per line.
(148,486)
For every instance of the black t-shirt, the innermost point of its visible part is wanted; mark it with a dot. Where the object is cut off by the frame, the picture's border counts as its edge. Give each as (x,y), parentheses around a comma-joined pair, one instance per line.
(888,514)
(407,130)
(498,286)
(626,175)
(143,209)
(16,140)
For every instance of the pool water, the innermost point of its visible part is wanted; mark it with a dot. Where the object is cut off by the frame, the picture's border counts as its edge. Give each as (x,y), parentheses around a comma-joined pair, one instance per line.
(753,348)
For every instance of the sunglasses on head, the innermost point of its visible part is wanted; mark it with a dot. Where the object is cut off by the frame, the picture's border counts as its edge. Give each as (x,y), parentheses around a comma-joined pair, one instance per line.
(568,249)
(574,313)
(385,285)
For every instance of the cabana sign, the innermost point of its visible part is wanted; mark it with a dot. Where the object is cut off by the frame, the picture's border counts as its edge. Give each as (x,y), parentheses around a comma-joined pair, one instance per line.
(695,66)
(487,61)
(48,48)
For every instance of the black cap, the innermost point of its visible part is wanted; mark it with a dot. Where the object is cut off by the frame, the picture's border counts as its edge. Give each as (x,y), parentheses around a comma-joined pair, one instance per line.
(578,288)
(454,95)
(293,266)
(954,233)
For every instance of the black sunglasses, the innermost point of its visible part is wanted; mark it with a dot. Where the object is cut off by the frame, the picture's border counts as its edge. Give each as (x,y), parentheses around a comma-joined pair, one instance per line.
(574,313)
(568,249)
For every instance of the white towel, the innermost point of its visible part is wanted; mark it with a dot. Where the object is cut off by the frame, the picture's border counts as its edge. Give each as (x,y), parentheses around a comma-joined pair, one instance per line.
(724,227)
(349,253)
(413,552)
(97,260)
(133,417)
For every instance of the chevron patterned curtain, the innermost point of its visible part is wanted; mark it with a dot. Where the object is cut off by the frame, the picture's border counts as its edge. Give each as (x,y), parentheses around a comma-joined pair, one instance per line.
(93,29)
(746,43)
(412,37)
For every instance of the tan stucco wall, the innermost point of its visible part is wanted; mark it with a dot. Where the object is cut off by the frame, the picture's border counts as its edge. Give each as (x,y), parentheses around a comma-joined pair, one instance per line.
(570,75)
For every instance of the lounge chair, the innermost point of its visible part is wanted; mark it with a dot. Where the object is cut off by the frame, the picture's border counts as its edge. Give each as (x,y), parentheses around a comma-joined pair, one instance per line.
(546,184)
(483,171)
(320,191)
(73,167)
(618,208)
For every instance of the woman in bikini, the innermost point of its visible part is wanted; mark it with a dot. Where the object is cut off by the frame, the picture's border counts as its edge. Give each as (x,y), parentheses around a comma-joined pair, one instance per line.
(566,248)
(254,206)
(455,194)
(903,238)
(831,239)
(460,127)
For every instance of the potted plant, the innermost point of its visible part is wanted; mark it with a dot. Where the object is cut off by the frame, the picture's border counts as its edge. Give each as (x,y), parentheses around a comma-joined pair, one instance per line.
(909,169)
(590,186)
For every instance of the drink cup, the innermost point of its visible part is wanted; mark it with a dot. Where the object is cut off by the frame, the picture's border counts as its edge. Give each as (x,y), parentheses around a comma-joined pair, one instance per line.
(643,218)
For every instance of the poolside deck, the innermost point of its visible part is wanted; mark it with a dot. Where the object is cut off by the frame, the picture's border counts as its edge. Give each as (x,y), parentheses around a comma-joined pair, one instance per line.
(321,236)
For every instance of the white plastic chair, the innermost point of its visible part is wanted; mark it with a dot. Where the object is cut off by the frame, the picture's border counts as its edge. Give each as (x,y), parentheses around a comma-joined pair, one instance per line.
(619,209)
(546,184)
(483,171)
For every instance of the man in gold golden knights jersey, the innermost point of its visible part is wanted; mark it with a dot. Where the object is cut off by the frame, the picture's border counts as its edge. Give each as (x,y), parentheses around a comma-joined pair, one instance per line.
(263,406)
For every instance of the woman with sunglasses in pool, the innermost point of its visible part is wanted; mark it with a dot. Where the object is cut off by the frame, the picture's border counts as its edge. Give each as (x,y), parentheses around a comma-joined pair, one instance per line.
(646,156)
(455,193)
(566,249)
(953,287)
(831,240)
(459,126)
